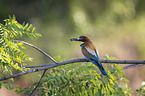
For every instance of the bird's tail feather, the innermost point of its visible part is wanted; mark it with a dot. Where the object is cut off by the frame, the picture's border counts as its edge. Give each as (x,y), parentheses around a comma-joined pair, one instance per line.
(99,65)
(103,71)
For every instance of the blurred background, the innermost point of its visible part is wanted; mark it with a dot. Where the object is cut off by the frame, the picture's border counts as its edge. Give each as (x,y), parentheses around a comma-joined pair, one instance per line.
(117,28)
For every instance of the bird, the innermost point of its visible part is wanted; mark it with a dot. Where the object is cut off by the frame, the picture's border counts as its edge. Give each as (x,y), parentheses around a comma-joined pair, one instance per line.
(90,53)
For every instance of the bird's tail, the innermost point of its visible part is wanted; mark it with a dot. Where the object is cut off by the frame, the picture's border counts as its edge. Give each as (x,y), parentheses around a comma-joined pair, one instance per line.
(103,71)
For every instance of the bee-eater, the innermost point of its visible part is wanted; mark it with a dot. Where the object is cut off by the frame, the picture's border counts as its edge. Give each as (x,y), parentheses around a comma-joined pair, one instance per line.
(90,53)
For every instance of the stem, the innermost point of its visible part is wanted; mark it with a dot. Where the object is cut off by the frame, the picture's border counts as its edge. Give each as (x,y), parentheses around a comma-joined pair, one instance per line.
(71,61)
(45,69)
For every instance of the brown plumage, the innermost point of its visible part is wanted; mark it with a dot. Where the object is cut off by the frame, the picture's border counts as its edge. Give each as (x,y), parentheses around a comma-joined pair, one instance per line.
(89,52)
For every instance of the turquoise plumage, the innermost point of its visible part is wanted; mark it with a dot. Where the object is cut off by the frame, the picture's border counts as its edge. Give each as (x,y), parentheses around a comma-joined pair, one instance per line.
(90,53)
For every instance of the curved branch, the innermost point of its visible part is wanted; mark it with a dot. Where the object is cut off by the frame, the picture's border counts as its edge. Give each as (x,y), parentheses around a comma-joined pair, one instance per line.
(72,61)
(45,69)
(38,50)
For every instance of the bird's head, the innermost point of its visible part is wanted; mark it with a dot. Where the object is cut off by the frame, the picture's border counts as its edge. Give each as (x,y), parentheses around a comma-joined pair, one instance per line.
(81,39)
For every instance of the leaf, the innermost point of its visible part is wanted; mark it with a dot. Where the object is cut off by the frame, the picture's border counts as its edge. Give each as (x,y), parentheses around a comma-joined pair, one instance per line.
(6,86)
(33,30)
(29,28)
(25,27)
(38,35)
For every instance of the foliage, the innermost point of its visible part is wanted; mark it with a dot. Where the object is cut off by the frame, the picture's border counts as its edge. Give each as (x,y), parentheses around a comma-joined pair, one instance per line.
(11,55)
(141,90)
(81,79)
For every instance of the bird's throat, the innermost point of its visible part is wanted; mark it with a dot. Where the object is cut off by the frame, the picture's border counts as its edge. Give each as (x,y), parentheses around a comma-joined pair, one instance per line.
(80,43)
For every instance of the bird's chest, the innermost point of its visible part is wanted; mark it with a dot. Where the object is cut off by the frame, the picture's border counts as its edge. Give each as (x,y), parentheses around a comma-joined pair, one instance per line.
(85,52)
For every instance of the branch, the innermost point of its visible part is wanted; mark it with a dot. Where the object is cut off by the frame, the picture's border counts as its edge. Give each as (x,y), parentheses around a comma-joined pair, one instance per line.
(54,65)
(37,83)
(37,49)
(133,65)
(103,61)
(123,61)
(72,61)
(141,62)
(45,69)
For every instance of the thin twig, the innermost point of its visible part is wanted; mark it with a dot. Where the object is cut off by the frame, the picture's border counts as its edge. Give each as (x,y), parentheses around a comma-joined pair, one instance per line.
(37,83)
(133,65)
(45,69)
(68,62)
(123,61)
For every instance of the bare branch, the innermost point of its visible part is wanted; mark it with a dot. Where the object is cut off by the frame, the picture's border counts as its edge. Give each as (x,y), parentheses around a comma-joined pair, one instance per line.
(72,61)
(37,83)
(102,60)
(38,50)
(45,69)
(123,61)
(133,65)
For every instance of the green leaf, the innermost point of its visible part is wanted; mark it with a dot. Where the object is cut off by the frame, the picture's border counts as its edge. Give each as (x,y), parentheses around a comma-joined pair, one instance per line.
(6,86)
(33,30)
(25,27)
(30,27)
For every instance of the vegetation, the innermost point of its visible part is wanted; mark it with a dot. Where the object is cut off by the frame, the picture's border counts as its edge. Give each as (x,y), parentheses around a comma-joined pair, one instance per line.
(116,27)
(11,54)
(79,79)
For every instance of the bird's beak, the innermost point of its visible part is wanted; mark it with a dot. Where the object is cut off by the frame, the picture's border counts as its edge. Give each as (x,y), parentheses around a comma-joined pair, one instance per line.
(75,39)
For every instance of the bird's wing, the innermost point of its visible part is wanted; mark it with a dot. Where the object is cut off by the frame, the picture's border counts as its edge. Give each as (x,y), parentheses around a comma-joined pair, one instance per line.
(92,51)
(94,57)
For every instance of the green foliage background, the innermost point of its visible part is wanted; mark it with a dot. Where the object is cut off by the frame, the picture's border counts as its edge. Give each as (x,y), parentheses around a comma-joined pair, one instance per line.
(115,26)
(81,79)
(78,79)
